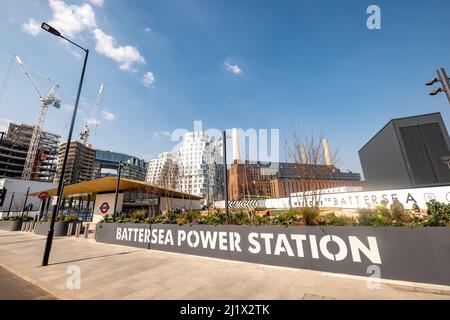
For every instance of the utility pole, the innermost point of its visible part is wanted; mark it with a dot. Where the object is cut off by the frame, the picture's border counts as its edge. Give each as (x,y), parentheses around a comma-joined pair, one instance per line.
(445,85)
(225,172)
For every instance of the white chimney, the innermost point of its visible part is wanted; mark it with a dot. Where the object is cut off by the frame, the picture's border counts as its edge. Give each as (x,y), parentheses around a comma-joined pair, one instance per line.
(327,153)
(303,157)
(236,146)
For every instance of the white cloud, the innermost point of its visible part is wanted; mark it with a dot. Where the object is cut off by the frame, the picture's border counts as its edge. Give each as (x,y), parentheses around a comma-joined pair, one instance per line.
(4,124)
(148,79)
(108,116)
(72,20)
(147,30)
(93,121)
(125,56)
(32,27)
(98,3)
(158,134)
(233,68)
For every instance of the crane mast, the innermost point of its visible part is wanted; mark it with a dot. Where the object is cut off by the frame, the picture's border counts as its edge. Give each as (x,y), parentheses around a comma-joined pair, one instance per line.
(85,134)
(46,101)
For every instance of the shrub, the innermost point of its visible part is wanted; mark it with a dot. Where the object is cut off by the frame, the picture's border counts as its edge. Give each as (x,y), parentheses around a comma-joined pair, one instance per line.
(188,217)
(288,218)
(439,214)
(310,216)
(332,220)
(138,216)
(71,218)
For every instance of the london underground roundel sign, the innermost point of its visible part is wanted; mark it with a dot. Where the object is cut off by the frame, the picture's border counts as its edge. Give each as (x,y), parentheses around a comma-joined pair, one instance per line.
(104,208)
(43,196)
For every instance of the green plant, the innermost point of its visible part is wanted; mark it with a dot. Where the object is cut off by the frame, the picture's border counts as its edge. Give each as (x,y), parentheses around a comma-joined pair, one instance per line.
(331,219)
(188,217)
(137,216)
(287,218)
(310,216)
(71,218)
(439,214)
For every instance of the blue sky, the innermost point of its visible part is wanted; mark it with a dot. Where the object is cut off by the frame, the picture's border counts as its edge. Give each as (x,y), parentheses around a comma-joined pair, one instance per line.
(314,64)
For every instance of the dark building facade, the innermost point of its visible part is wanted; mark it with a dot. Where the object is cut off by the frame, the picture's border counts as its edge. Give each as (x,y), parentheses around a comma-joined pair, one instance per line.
(107,162)
(407,153)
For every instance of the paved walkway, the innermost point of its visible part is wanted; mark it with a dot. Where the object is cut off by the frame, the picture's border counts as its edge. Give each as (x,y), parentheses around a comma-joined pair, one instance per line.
(115,272)
(15,288)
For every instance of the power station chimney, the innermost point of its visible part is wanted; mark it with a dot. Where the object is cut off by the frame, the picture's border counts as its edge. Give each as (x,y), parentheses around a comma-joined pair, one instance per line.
(303,157)
(327,153)
(236,146)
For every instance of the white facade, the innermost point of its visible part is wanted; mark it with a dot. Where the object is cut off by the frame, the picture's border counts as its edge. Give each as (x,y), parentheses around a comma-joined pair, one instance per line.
(163,171)
(195,168)
(19,188)
(199,161)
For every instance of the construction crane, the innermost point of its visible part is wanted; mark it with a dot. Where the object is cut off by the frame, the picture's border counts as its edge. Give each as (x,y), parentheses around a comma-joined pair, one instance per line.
(46,101)
(84,135)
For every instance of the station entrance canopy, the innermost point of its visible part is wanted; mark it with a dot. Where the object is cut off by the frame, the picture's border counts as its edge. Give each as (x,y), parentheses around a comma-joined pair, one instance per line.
(108,185)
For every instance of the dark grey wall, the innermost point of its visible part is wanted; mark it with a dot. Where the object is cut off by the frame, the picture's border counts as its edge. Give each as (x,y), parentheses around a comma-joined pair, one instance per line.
(382,162)
(418,255)
(403,155)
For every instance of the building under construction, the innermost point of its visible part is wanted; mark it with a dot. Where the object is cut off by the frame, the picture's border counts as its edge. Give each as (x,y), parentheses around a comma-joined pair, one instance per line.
(80,163)
(14,148)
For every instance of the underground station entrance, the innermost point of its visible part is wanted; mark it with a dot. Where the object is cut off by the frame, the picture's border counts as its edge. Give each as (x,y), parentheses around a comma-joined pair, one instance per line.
(92,200)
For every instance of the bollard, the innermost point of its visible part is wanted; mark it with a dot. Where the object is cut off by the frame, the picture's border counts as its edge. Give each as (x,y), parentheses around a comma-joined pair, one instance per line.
(31,227)
(77,230)
(27,226)
(23,226)
(69,229)
(86,231)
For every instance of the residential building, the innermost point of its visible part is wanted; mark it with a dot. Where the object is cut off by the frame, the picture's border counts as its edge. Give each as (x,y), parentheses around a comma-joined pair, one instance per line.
(106,164)
(80,163)
(200,166)
(408,152)
(14,149)
(195,168)
(163,171)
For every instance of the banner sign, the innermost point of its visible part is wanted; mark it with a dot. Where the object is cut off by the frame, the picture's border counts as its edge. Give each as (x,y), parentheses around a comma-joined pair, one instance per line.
(352,200)
(400,253)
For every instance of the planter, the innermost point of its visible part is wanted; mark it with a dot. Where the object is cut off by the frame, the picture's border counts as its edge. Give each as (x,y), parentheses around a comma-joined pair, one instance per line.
(11,225)
(107,233)
(399,253)
(61,228)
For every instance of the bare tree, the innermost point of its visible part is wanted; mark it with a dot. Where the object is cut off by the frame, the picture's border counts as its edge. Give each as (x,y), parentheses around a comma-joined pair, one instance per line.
(311,165)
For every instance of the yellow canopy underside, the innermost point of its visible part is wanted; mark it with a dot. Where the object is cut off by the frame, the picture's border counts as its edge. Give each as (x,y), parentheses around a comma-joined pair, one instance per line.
(105,185)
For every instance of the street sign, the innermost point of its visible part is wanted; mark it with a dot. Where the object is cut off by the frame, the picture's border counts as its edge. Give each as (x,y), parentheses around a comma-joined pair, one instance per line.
(104,208)
(43,196)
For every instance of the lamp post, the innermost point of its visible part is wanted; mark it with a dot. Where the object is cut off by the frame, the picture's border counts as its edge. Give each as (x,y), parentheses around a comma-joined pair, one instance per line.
(225,174)
(10,204)
(48,244)
(25,203)
(119,172)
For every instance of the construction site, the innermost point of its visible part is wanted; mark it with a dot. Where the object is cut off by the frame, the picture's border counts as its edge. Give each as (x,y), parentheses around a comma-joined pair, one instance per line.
(14,148)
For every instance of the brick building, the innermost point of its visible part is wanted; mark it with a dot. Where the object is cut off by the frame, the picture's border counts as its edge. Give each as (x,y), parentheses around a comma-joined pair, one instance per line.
(278,180)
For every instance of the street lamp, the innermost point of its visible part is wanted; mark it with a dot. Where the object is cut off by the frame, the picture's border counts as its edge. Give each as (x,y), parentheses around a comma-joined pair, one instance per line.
(119,172)
(445,84)
(225,174)
(48,244)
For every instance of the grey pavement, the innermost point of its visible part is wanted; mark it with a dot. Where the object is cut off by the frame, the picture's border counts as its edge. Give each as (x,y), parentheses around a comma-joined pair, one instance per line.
(13,287)
(116,272)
